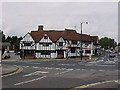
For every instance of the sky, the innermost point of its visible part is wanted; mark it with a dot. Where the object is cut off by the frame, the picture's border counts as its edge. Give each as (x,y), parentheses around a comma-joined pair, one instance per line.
(18,18)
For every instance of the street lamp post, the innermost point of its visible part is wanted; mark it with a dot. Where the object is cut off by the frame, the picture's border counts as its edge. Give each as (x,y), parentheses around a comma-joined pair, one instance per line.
(81,40)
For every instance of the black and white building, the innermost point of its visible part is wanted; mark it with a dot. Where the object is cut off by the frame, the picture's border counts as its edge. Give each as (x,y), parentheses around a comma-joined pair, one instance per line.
(57,44)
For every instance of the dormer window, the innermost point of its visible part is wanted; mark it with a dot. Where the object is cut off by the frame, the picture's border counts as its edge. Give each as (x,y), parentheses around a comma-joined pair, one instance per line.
(46,44)
(60,43)
(27,44)
(45,37)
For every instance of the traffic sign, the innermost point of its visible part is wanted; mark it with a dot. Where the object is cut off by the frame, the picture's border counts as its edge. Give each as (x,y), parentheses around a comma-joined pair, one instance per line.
(85,47)
(13,47)
(66,48)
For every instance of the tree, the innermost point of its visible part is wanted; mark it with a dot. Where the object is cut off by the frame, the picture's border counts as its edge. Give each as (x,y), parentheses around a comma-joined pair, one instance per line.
(3,38)
(107,43)
(14,41)
(118,44)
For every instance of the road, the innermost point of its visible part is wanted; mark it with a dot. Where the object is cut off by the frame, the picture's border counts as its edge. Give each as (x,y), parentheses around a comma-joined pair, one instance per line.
(63,74)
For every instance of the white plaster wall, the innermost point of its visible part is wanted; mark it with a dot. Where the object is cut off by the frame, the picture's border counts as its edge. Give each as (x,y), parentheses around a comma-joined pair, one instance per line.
(64,44)
(27,38)
(41,47)
(53,55)
(38,55)
(45,40)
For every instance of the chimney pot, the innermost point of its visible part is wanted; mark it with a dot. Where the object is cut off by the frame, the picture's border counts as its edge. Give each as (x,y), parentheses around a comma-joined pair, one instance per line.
(40,27)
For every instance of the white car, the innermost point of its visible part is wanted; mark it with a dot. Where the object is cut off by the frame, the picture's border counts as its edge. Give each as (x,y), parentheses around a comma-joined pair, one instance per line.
(6,54)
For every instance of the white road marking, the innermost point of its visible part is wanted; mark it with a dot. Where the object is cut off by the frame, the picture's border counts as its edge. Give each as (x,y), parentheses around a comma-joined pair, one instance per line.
(102,58)
(101,70)
(117,81)
(62,69)
(67,64)
(110,62)
(29,81)
(35,73)
(45,67)
(50,68)
(63,72)
(35,67)
(57,68)
(92,62)
(96,59)
(99,61)
(36,63)
(25,66)
(106,65)
(70,69)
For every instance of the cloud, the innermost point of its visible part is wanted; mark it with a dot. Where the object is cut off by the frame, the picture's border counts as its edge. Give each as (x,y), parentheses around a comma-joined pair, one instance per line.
(19,18)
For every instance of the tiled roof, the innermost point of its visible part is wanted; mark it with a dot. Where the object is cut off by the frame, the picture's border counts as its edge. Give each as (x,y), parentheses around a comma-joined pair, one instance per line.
(67,34)
(95,39)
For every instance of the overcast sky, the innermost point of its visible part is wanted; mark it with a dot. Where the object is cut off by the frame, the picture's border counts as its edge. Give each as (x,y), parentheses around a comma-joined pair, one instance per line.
(20,17)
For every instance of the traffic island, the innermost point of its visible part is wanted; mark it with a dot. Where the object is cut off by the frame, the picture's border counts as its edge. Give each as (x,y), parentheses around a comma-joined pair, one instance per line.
(8,70)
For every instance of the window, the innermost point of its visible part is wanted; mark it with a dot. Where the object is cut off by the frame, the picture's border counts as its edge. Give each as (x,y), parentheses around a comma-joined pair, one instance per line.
(45,53)
(45,37)
(72,50)
(27,44)
(45,44)
(87,51)
(60,43)
(74,42)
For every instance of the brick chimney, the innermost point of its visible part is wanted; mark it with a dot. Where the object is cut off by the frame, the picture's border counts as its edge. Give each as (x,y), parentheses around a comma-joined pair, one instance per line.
(40,27)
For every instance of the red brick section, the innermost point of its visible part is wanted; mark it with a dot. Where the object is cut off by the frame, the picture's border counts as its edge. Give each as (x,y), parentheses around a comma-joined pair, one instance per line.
(67,34)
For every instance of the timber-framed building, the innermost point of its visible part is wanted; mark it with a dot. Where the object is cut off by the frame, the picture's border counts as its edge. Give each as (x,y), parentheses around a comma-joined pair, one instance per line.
(57,44)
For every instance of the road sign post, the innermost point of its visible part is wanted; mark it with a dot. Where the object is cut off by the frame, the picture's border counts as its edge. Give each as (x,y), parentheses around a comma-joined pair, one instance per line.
(67,53)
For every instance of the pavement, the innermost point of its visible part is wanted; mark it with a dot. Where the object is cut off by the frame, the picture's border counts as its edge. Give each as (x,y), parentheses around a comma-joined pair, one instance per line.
(65,59)
(7,70)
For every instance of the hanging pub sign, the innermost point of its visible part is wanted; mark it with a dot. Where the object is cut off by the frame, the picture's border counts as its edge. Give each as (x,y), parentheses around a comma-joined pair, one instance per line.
(85,47)
(66,48)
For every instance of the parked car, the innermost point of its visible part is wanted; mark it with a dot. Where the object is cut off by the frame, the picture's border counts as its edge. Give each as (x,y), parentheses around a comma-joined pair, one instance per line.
(6,54)
(112,55)
(18,53)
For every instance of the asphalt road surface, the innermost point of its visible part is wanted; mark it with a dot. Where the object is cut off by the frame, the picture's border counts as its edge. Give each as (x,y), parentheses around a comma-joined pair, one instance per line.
(63,74)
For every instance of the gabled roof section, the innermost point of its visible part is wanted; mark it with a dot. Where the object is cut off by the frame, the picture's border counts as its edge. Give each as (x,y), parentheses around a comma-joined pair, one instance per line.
(67,34)
(53,35)
(95,39)
(37,35)
(71,35)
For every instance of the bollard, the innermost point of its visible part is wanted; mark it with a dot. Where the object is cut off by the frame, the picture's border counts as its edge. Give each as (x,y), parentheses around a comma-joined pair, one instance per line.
(90,57)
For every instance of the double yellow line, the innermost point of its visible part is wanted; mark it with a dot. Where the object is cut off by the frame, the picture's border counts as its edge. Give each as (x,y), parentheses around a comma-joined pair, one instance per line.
(93,84)
(17,71)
